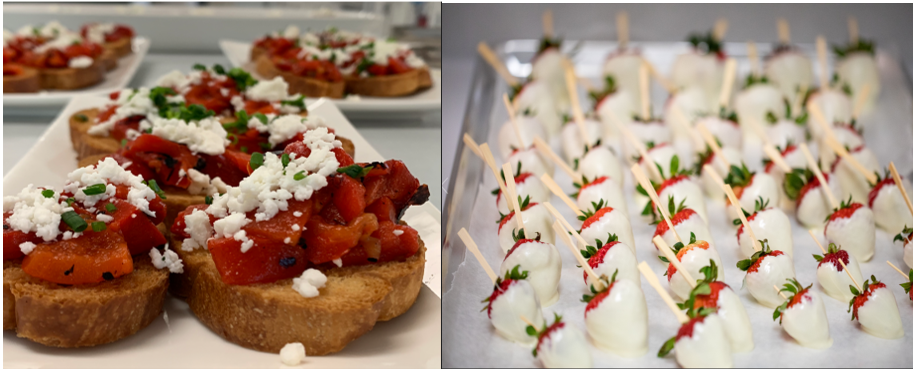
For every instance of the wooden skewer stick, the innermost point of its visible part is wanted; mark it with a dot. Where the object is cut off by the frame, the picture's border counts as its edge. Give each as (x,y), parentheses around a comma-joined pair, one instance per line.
(513,120)
(585,83)
(853,29)
(471,245)
(645,183)
(490,161)
(472,146)
(753,59)
(556,190)
(496,63)
(715,177)
(545,148)
(621,26)
(777,159)
(780,292)
(638,145)
(571,81)
(512,193)
(714,146)
(663,81)
(868,174)
(824,185)
(695,137)
(667,251)
(580,260)
(783,30)
(860,99)
(651,278)
(820,246)
(551,209)
(548,26)
(528,322)
(899,183)
(735,202)
(719,29)
(849,274)
(821,45)
(819,118)
(902,274)
(728,81)
(644,79)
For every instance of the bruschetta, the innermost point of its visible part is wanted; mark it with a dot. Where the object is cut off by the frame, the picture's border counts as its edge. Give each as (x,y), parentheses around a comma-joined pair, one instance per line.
(117,38)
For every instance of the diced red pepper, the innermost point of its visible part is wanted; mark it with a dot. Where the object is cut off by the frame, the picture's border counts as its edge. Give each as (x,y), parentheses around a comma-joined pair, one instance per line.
(395,182)
(139,230)
(392,247)
(164,157)
(348,199)
(266,261)
(279,227)
(383,209)
(327,241)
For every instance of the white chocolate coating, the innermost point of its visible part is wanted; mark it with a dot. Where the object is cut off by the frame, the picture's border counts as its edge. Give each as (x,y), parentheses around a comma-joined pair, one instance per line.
(518,300)
(773,271)
(532,187)
(624,68)
(692,103)
(536,98)
(662,154)
(707,347)
(619,257)
(834,104)
(543,263)
(536,218)
(771,224)
(855,234)
(788,71)
(548,68)
(857,70)
(623,104)
(711,188)
(601,161)
(572,143)
(851,181)
(891,213)
(652,131)
(762,185)
(618,324)
(908,254)
(696,69)
(815,207)
(689,191)
(612,222)
(608,191)
(728,132)
(693,261)
(756,101)
(806,322)
(530,127)
(735,321)
(533,161)
(879,315)
(785,131)
(565,348)
(694,224)
(836,283)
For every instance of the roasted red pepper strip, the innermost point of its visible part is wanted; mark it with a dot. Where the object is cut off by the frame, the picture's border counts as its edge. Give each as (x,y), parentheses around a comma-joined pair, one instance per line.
(90,258)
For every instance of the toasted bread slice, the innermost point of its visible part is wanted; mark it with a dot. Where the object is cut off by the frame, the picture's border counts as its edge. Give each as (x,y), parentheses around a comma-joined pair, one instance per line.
(265,317)
(298,84)
(83,315)
(109,58)
(384,86)
(424,78)
(256,52)
(72,78)
(26,82)
(120,48)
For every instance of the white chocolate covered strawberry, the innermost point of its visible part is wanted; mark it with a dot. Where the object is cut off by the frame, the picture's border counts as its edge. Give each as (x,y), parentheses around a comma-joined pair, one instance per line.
(790,70)
(601,221)
(533,98)
(609,258)
(694,256)
(757,99)
(887,203)
(572,145)
(686,222)
(603,189)
(616,317)
(852,182)
(876,309)
(767,223)
(530,128)
(561,345)
(812,207)
(724,129)
(748,187)
(616,99)
(857,69)
(683,188)
(905,236)
(542,261)
(765,270)
(710,293)
(852,226)
(512,297)
(701,66)
(651,133)
(701,343)
(711,188)
(536,219)
(834,104)
(600,161)
(623,67)
(531,160)
(528,186)
(834,281)
(803,317)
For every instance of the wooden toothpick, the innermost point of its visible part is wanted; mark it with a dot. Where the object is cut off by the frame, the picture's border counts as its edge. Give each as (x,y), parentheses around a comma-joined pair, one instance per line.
(821,45)
(819,118)
(780,292)
(645,183)
(556,190)
(728,81)
(471,144)
(814,167)
(714,146)
(777,159)
(850,159)
(644,80)
(621,26)
(547,150)
(900,186)
(496,63)
(637,143)
(512,193)
(853,28)
(490,161)
(673,259)
(753,59)
(719,29)
(471,245)
(528,322)
(651,278)
(783,30)
(820,246)
(902,274)
(735,202)
(548,27)
(860,99)
(580,260)
(513,120)
(551,209)
(570,79)
(663,81)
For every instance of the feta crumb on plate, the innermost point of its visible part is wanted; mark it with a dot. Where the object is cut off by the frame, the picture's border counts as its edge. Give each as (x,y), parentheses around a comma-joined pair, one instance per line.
(292,354)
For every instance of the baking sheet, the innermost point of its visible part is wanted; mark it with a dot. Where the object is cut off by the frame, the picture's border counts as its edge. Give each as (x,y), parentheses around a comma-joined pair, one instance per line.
(470,341)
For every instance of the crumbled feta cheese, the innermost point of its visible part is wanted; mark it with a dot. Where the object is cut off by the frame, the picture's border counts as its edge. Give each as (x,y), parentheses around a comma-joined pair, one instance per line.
(268,90)
(296,227)
(201,184)
(180,82)
(129,102)
(338,262)
(237,102)
(27,30)
(286,127)
(96,32)
(109,172)
(198,227)
(169,260)
(26,247)
(292,354)
(80,62)
(224,92)
(310,281)
(297,214)
(52,29)
(246,245)
(205,136)
(397,232)
(230,224)
(61,42)
(104,218)
(287,240)
(32,212)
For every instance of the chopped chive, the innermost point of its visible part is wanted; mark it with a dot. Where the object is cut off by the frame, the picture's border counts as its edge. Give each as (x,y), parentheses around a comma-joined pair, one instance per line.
(123,142)
(47,193)
(300,175)
(256,160)
(81,118)
(155,188)
(70,201)
(99,226)
(285,160)
(74,221)
(199,67)
(355,171)
(265,146)
(219,69)
(95,189)
(244,149)
(262,118)
(208,200)
(110,207)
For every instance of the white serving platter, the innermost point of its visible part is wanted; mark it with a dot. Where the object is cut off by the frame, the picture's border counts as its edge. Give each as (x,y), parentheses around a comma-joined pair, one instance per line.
(115,80)
(238,52)
(412,340)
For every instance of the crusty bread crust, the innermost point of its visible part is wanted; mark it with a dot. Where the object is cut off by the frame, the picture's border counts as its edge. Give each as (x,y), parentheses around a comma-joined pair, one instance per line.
(298,84)
(384,86)
(85,144)
(83,315)
(9,301)
(424,78)
(109,59)
(72,78)
(27,82)
(265,317)
(256,52)
(120,48)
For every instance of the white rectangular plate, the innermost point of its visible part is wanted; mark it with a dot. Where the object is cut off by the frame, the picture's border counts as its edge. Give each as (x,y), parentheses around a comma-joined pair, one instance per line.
(412,340)
(238,52)
(116,79)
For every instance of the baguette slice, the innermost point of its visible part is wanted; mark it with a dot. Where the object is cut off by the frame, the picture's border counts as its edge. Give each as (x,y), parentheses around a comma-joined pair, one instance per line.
(82,315)
(424,78)
(256,52)
(109,59)
(121,48)
(265,317)
(28,81)
(72,78)
(384,86)
(298,84)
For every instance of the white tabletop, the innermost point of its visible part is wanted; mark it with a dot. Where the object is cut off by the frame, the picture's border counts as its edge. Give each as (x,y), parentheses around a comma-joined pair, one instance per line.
(417,143)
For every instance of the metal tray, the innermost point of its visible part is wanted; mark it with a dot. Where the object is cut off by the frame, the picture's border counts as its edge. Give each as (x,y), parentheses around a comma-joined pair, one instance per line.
(889,136)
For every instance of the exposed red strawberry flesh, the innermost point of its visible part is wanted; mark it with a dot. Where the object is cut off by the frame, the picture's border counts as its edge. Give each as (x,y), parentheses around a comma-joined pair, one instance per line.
(796,299)
(677,219)
(599,213)
(863,297)
(757,264)
(833,257)
(595,260)
(670,182)
(737,190)
(599,180)
(699,244)
(500,289)
(548,332)
(710,300)
(873,194)
(845,212)
(518,180)
(688,329)
(812,184)
(596,300)
(511,215)
(738,234)
(518,243)
(837,161)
